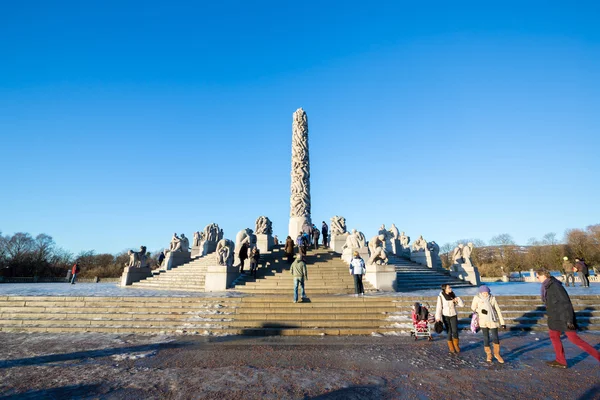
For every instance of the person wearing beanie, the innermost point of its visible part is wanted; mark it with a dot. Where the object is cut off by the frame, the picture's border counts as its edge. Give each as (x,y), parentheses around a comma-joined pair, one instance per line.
(490,319)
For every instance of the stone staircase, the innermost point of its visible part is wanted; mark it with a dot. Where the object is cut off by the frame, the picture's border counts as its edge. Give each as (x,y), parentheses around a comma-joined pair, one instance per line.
(258,315)
(188,277)
(327,274)
(412,276)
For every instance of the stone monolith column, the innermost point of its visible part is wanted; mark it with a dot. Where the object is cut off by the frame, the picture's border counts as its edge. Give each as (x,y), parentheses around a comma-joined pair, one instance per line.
(300,193)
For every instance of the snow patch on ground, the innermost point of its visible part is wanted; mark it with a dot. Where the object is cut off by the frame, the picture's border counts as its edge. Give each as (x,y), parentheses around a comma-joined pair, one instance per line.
(133,356)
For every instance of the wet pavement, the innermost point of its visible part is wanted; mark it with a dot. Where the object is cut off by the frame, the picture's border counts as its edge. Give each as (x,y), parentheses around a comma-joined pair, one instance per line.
(113,289)
(105,366)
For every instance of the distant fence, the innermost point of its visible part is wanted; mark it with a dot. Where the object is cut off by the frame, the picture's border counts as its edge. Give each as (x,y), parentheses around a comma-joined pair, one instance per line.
(33,279)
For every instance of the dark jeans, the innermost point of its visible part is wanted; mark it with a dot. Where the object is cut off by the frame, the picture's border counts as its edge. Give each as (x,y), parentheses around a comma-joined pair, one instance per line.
(486,336)
(358,284)
(316,243)
(324,240)
(253,267)
(451,324)
(242,264)
(290,257)
(73,278)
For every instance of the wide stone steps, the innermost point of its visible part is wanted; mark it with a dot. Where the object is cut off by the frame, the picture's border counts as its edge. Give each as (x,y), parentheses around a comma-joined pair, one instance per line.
(257,315)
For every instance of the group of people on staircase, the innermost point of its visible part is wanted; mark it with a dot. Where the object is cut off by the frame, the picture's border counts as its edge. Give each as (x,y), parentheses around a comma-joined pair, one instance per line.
(561,318)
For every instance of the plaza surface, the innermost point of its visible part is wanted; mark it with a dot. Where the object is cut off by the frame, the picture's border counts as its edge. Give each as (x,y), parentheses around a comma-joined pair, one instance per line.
(93,365)
(113,289)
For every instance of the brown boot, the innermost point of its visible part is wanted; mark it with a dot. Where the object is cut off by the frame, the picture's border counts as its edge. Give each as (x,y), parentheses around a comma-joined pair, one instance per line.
(456,346)
(451,346)
(497,353)
(488,353)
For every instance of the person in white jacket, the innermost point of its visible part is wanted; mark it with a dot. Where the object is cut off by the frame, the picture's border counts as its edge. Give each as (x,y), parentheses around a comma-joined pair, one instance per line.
(358,270)
(445,311)
(490,319)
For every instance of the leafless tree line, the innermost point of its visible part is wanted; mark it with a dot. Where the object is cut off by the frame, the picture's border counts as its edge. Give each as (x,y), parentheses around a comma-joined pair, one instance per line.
(22,255)
(503,254)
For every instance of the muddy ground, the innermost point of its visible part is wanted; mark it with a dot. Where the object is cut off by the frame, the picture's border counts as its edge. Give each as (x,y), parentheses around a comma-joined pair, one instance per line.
(88,366)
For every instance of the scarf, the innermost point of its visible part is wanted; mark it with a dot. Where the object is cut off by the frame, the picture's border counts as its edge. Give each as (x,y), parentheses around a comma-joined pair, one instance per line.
(493,316)
(546,284)
(448,296)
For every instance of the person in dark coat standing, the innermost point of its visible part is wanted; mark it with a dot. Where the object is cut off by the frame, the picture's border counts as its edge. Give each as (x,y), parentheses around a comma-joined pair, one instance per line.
(325,232)
(561,318)
(316,235)
(583,271)
(243,255)
(289,249)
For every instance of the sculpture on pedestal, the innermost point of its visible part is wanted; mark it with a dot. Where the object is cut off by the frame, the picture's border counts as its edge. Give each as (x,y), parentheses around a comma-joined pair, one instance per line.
(457,254)
(356,240)
(244,236)
(419,245)
(264,226)
(394,232)
(466,253)
(198,238)
(434,248)
(377,250)
(338,225)
(300,186)
(225,251)
(404,240)
(138,259)
(175,242)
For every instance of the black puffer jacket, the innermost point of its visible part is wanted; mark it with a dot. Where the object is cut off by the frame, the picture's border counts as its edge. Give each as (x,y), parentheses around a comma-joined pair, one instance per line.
(558,306)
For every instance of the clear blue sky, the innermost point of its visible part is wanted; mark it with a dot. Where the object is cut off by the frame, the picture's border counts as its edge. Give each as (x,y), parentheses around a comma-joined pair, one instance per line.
(123,122)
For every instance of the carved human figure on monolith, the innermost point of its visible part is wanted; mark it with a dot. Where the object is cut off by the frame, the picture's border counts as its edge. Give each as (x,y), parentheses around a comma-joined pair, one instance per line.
(300,186)
(466,252)
(175,242)
(377,250)
(457,254)
(394,232)
(356,240)
(404,240)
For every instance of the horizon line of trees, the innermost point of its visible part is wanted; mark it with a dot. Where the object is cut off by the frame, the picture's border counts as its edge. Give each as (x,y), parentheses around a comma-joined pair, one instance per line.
(504,255)
(22,255)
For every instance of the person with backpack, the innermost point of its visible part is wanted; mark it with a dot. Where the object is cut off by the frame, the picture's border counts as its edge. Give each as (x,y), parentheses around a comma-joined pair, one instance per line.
(301,243)
(490,319)
(568,271)
(583,271)
(300,274)
(74,271)
(358,270)
(561,318)
(445,311)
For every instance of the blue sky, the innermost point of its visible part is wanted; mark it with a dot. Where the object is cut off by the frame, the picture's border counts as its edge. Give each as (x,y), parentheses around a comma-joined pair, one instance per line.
(123,122)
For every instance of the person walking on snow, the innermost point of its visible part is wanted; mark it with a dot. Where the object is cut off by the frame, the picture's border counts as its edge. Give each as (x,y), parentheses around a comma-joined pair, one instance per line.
(561,318)
(490,319)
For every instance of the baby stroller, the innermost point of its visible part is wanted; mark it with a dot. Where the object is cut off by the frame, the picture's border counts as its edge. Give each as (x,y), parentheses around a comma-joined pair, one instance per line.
(421,319)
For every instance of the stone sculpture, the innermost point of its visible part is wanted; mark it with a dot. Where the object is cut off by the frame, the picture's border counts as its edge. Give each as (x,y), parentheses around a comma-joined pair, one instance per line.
(244,236)
(394,232)
(419,245)
(434,248)
(457,256)
(356,240)
(184,243)
(175,242)
(466,253)
(404,240)
(386,234)
(138,259)
(264,226)
(300,187)
(377,250)
(225,251)
(198,237)
(338,225)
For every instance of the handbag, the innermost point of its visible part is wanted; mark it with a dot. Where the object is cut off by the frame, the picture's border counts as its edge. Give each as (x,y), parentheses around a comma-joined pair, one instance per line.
(438,327)
(475,323)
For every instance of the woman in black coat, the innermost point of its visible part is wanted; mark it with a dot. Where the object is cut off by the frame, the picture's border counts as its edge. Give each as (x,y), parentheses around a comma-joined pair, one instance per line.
(561,318)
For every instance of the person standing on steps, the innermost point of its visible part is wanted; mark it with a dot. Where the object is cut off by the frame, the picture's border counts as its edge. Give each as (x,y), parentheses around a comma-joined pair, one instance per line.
(490,319)
(243,255)
(325,232)
(358,271)
(254,258)
(561,318)
(316,235)
(568,271)
(300,274)
(302,246)
(445,311)
(289,249)
(74,271)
